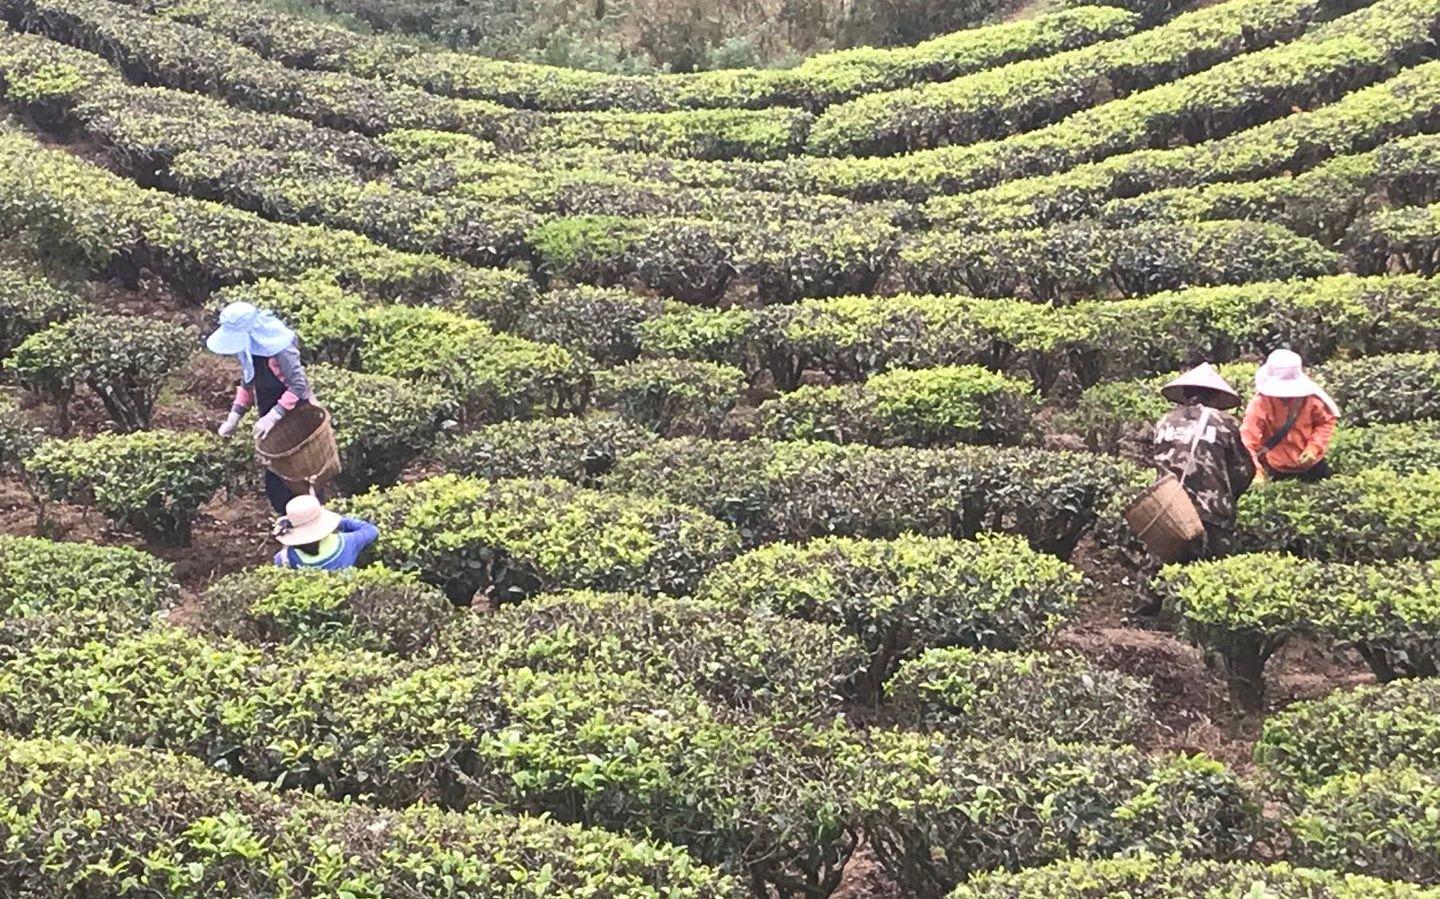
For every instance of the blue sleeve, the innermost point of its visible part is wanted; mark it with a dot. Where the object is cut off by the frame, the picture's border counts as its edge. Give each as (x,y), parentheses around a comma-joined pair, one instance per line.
(280,559)
(358,535)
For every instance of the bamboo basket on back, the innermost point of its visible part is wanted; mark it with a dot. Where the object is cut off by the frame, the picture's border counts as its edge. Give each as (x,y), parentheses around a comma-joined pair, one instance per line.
(1164,518)
(301,449)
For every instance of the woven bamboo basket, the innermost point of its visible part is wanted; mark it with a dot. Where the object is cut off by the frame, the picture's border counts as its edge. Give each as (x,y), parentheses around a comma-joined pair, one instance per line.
(301,449)
(1164,518)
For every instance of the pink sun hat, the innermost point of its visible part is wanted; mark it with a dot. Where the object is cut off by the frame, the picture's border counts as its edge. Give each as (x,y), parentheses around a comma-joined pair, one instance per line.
(1283,377)
(1203,377)
(305,521)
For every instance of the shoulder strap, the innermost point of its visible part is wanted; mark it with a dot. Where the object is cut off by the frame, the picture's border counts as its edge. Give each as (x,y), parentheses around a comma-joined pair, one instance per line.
(1195,442)
(1279,436)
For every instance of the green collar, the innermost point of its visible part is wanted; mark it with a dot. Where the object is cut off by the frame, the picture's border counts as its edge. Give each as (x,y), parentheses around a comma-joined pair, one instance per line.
(329,546)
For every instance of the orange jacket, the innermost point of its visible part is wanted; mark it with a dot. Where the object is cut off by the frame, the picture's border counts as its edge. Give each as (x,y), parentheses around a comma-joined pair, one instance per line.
(1312,431)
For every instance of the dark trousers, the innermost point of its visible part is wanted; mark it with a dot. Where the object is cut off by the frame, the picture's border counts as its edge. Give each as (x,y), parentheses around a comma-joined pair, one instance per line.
(1317,472)
(277,492)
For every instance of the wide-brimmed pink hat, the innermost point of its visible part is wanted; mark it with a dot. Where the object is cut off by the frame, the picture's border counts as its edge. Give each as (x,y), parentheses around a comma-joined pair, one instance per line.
(305,521)
(1283,377)
(1202,377)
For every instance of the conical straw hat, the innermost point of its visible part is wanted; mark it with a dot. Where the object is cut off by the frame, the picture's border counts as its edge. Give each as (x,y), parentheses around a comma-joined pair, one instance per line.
(1203,377)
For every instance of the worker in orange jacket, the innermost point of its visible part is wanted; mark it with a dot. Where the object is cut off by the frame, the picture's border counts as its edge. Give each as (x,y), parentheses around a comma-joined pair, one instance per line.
(1289,422)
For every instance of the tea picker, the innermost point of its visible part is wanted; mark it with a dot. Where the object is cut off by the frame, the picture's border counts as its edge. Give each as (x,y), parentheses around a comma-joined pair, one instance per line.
(293,436)
(1189,513)
(1289,422)
(315,538)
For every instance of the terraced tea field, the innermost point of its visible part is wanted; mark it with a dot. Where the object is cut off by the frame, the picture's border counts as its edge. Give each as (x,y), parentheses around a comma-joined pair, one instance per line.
(748,449)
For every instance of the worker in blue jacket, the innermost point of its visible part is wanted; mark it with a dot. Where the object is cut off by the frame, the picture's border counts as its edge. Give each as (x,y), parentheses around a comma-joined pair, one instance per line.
(316,538)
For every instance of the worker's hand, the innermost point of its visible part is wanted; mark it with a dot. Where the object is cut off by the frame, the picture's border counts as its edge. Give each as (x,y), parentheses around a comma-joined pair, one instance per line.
(266,424)
(228,426)
(1308,458)
(1261,478)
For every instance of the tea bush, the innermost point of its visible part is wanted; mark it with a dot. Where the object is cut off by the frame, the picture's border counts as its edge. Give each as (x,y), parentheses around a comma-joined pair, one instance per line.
(1406,449)
(598,323)
(772,491)
(514,538)
(1352,731)
(1180,879)
(575,449)
(40,577)
(740,658)
(1405,240)
(19,435)
(996,804)
(671,396)
(29,304)
(907,407)
(123,360)
(87,816)
(901,597)
(368,608)
(1372,516)
(1031,696)
(1244,608)
(1379,823)
(382,424)
(152,481)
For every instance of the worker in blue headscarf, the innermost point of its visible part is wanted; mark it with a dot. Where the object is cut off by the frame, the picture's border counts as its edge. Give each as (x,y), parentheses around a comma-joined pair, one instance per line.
(271,377)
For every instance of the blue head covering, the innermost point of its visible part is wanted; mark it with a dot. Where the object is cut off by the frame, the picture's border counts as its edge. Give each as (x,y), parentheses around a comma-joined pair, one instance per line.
(247,332)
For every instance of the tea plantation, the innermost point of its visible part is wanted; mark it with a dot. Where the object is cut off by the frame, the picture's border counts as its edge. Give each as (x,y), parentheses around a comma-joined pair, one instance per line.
(748,449)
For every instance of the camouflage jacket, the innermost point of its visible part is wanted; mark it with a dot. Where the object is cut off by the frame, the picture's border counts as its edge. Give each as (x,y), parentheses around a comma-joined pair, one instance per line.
(1223,467)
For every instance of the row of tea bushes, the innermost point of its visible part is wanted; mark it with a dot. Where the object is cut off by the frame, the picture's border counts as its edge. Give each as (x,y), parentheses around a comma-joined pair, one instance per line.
(1351,732)
(672,397)
(900,597)
(773,491)
(1321,203)
(1407,448)
(815,83)
(1351,52)
(105,224)
(1378,389)
(1378,823)
(851,338)
(1170,878)
(744,660)
(1243,609)
(84,816)
(1089,259)
(1374,515)
(160,51)
(613,752)
(1356,122)
(1028,95)
(511,539)
(907,407)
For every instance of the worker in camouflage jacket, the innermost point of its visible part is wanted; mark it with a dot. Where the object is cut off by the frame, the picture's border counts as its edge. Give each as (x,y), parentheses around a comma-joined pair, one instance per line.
(1222,468)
